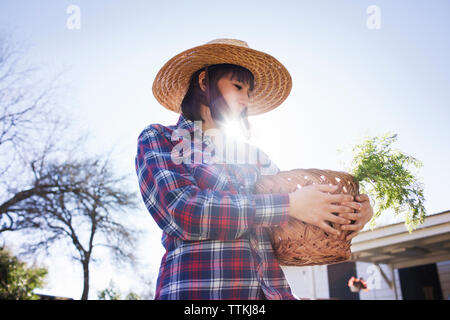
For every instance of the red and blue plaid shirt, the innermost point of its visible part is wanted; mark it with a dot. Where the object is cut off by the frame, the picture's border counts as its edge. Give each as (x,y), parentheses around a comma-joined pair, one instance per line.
(214,227)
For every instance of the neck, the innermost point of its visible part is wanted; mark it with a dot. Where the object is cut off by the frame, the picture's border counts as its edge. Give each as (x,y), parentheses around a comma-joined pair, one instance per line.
(206,125)
(208,122)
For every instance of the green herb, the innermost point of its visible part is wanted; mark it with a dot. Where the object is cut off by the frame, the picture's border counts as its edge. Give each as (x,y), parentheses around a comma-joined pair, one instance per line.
(384,176)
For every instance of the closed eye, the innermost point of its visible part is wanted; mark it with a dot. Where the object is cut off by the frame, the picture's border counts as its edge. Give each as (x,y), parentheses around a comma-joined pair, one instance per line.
(239,88)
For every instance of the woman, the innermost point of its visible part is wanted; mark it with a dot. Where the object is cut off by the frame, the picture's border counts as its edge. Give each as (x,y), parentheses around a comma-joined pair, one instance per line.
(214,227)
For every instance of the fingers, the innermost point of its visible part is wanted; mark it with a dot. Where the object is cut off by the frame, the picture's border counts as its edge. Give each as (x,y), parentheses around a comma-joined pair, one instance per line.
(362,197)
(341,197)
(350,216)
(326,187)
(339,209)
(351,235)
(337,219)
(327,228)
(352,204)
(355,228)
(352,227)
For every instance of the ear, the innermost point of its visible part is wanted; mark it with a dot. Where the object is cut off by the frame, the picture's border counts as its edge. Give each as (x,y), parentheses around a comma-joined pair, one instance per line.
(202,80)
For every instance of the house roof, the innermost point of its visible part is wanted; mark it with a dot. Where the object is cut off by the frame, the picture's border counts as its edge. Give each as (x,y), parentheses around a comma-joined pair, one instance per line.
(394,245)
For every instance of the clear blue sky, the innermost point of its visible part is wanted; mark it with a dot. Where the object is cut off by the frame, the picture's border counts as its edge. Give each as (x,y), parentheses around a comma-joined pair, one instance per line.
(348,80)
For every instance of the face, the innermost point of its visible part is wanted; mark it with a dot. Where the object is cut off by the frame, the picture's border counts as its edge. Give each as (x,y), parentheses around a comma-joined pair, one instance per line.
(235,93)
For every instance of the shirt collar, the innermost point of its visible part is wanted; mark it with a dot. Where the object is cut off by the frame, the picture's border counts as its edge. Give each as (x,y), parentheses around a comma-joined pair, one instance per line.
(189,125)
(185,123)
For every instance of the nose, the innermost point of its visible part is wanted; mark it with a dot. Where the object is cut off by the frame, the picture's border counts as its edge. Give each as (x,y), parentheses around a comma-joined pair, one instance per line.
(244,101)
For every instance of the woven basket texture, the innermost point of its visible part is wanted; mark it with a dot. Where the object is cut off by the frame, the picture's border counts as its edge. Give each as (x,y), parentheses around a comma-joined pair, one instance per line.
(300,243)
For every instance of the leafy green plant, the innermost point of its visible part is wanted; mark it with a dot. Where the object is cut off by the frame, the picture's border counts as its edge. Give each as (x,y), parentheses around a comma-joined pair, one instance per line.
(109,293)
(113,293)
(17,280)
(384,175)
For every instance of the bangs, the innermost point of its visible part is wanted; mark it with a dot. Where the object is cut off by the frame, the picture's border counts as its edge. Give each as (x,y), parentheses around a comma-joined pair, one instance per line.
(243,75)
(195,97)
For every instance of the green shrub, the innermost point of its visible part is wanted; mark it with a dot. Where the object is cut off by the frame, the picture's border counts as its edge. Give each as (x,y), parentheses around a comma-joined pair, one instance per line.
(384,175)
(17,280)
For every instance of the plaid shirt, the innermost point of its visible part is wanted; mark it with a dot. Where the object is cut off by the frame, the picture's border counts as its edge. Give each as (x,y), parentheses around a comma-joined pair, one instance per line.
(214,227)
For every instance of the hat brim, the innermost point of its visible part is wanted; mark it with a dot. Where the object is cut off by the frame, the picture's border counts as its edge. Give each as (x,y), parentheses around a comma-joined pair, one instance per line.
(273,82)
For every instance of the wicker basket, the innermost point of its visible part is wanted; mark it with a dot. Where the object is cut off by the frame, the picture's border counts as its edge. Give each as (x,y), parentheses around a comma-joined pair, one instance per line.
(302,244)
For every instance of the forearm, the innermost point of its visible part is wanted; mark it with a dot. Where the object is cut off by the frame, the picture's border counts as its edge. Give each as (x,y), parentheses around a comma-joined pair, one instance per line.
(194,214)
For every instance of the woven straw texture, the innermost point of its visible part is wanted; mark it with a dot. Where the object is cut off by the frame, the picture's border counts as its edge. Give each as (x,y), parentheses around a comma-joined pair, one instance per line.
(302,244)
(273,82)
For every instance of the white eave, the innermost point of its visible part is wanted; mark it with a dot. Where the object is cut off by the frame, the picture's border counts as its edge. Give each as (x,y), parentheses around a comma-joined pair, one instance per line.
(394,245)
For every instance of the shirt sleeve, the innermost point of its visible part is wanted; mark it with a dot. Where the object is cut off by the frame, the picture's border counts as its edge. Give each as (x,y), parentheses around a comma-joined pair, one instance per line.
(267,167)
(182,209)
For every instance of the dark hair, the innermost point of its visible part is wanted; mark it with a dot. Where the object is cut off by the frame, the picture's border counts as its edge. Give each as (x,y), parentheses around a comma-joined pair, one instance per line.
(195,96)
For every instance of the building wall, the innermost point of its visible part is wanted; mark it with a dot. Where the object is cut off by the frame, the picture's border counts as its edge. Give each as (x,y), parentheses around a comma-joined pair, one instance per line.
(300,280)
(378,287)
(444,277)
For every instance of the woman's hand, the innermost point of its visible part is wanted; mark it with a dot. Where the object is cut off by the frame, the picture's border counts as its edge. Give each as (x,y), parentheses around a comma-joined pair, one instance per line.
(364,213)
(314,204)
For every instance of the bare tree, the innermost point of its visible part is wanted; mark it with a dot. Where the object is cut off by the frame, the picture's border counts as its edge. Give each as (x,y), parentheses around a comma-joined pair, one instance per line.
(87,208)
(49,189)
(27,101)
(32,131)
(29,126)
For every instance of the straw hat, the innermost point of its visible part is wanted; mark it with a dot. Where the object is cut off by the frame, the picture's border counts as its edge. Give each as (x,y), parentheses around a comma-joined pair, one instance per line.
(273,82)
